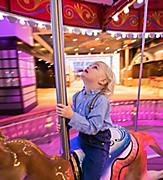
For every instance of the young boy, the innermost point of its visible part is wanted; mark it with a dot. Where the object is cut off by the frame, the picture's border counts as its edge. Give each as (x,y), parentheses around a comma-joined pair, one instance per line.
(93,125)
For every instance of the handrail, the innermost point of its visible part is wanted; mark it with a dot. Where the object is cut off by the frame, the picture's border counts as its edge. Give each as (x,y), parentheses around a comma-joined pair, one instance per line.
(23,117)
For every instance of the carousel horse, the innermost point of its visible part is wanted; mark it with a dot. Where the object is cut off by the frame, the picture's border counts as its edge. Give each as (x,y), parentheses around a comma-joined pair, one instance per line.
(23,160)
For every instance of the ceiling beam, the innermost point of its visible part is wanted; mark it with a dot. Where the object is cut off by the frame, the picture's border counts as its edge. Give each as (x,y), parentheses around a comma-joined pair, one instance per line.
(43,43)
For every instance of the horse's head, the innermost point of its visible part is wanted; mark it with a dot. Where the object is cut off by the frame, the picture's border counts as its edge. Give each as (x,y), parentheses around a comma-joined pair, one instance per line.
(33,162)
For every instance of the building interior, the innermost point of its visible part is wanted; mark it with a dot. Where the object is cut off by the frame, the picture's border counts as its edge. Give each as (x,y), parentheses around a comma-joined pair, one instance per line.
(91,32)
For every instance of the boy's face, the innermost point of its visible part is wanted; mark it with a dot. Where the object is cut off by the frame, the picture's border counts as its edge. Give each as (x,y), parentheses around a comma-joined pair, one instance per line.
(94,73)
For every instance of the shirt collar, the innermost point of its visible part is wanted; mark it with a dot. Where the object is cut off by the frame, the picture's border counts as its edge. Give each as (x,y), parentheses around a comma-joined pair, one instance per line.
(91,92)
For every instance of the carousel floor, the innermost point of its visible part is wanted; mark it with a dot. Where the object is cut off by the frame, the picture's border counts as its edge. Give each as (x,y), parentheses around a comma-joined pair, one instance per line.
(155,162)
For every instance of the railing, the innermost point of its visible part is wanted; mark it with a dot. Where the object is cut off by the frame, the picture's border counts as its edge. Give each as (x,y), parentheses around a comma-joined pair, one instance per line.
(123,112)
(33,126)
(40,126)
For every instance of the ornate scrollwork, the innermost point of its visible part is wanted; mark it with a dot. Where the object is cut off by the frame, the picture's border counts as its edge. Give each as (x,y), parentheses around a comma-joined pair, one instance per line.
(30,5)
(125,19)
(158,18)
(84,12)
(154,19)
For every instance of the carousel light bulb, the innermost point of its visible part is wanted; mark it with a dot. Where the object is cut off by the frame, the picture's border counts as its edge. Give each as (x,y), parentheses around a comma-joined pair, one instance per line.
(112,35)
(157,35)
(123,35)
(40,25)
(115,17)
(126,10)
(1,16)
(140,1)
(146,35)
(135,35)
(21,21)
(95,33)
(70,29)
(83,32)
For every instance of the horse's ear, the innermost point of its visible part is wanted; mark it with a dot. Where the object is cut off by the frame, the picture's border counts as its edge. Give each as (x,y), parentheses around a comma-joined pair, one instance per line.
(2,136)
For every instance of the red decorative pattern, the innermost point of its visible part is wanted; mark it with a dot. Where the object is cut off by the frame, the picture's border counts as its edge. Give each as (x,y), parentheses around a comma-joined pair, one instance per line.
(30,5)
(2,4)
(38,9)
(134,21)
(90,15)
(82,14)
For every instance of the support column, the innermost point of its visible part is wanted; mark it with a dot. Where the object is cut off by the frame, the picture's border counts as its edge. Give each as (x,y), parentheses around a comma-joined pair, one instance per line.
(127,73)
(17,73)
(126,57)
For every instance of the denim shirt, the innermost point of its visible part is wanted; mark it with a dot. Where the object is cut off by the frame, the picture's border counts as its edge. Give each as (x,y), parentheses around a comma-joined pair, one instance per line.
(98,119)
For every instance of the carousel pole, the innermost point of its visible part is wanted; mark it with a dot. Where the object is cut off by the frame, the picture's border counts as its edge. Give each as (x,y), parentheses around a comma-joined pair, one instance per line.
(59,68)
(141,64)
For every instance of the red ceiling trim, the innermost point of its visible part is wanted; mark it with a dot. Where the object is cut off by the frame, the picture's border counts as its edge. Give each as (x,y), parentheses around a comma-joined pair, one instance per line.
(111,11)
(75,13)
(90,15)
(134,21)
(3,5)
(83,14)
(32,8)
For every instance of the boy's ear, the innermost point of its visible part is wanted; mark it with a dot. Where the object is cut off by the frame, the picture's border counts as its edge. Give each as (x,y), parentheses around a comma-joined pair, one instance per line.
(102,82)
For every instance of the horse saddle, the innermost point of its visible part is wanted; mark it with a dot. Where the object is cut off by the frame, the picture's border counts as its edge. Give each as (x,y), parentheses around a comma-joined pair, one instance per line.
(120,155)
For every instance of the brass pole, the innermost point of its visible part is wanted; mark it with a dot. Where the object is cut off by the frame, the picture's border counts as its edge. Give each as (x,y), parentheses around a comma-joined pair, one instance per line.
(141,64)
(59,67)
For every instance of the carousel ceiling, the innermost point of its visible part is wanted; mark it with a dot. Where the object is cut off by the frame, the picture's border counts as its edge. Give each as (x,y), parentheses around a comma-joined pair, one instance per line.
(112,34)
(84,44)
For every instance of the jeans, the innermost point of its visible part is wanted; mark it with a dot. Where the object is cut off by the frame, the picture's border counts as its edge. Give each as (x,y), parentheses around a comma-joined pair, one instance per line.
(96,149)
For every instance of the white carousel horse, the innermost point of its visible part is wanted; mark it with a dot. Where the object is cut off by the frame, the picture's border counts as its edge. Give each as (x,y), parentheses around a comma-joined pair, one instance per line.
(23,160)
(128,157)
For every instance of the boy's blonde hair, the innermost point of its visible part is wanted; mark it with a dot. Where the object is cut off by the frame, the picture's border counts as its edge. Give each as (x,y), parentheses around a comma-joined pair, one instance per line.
(109,86)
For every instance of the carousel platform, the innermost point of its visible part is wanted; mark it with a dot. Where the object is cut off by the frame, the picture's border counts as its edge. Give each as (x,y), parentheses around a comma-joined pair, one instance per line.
(39,125)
